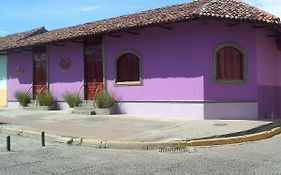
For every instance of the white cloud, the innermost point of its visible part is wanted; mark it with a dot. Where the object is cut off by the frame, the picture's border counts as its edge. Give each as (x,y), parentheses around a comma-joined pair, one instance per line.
(90,8)
(4,32)
(271,6)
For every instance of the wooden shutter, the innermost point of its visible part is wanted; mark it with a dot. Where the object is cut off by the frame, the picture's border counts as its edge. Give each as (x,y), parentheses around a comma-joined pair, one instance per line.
(229,64)
(128,68)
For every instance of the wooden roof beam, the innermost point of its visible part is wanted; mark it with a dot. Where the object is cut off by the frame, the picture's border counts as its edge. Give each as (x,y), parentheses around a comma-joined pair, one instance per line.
(113,35)
(58,44)
(15,51)
(133,33)
(164,27)
(77,41)
(259,26)
(27,49)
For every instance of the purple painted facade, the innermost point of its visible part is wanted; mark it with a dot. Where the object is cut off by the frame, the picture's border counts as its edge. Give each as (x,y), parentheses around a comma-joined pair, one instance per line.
(268,73)
(70,80)
(59,81)
(15,81)
(177,64)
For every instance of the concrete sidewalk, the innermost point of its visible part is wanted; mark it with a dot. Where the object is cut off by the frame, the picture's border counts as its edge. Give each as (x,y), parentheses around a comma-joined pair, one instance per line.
(121,127)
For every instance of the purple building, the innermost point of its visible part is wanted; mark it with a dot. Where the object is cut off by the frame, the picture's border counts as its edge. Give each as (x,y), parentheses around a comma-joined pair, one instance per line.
(200,60)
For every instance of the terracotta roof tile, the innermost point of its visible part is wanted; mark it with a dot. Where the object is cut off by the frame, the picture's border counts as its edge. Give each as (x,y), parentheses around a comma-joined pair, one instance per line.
(227,9)
(13,39)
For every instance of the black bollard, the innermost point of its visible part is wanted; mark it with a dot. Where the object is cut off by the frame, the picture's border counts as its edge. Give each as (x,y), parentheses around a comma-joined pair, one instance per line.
(8,143)
(43,138)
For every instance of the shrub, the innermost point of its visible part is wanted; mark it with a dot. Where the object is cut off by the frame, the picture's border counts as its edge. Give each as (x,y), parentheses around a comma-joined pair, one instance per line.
(104,100)
(23,98)
(72,99)
(45,98)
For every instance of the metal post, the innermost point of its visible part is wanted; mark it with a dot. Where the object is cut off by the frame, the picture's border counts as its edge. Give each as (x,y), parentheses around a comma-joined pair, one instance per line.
(8,143)
(43,138)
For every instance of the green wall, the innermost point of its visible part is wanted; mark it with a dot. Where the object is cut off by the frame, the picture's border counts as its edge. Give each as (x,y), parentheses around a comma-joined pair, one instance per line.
(3,80)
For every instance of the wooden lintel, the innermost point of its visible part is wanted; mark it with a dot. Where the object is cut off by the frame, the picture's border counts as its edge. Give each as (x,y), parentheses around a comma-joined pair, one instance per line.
(165,27)
(58,44)
(233,24)
(258,26)
(113,35)
(133,33)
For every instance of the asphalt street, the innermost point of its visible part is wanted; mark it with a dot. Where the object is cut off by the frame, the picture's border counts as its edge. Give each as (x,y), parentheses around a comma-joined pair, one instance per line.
(262,157)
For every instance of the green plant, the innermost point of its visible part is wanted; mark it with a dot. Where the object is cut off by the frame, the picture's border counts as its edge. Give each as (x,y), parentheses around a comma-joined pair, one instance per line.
(23,98)
(104,100)
(72,99)
(45,98)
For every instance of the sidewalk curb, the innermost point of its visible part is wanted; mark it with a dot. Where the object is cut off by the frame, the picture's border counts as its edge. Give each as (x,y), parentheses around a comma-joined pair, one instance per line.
(236,139)
(143,145)
(35,134)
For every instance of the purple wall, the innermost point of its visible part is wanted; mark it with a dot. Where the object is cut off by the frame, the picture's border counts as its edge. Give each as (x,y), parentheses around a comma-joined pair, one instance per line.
(60,81)
(268,72)
(70,80)
(177,63)
(15,81)
(216,34)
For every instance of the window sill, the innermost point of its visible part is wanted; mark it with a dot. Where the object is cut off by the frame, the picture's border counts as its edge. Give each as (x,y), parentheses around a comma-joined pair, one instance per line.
(129,83)
(231,81)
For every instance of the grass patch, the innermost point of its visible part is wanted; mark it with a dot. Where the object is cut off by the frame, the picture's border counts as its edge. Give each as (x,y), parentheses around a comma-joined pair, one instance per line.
(45,98)
(72,99)
(23,98)
(105,100)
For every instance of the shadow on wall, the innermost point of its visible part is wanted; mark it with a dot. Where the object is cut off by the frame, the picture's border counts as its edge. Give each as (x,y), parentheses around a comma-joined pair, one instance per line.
(185,54)
(231,111)
(269,98)
(20,68)
(65,69)
(163,55)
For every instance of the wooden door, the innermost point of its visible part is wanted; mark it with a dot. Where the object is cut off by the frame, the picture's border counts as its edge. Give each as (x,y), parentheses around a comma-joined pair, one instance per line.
(39,71)
(93,68)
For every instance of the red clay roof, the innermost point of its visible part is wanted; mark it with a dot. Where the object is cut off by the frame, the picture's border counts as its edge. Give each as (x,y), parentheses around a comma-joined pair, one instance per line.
(225,9)
(13,39)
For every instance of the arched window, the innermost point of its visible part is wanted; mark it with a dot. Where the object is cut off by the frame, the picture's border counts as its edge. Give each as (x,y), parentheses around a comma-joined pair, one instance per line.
(128,68)
(230,63)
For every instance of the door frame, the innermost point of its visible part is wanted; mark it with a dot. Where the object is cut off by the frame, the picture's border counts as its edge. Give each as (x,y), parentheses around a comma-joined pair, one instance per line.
(103,65)
(47,70)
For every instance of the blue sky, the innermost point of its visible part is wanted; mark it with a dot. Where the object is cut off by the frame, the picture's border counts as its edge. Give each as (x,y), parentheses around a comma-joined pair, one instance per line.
(21,15)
